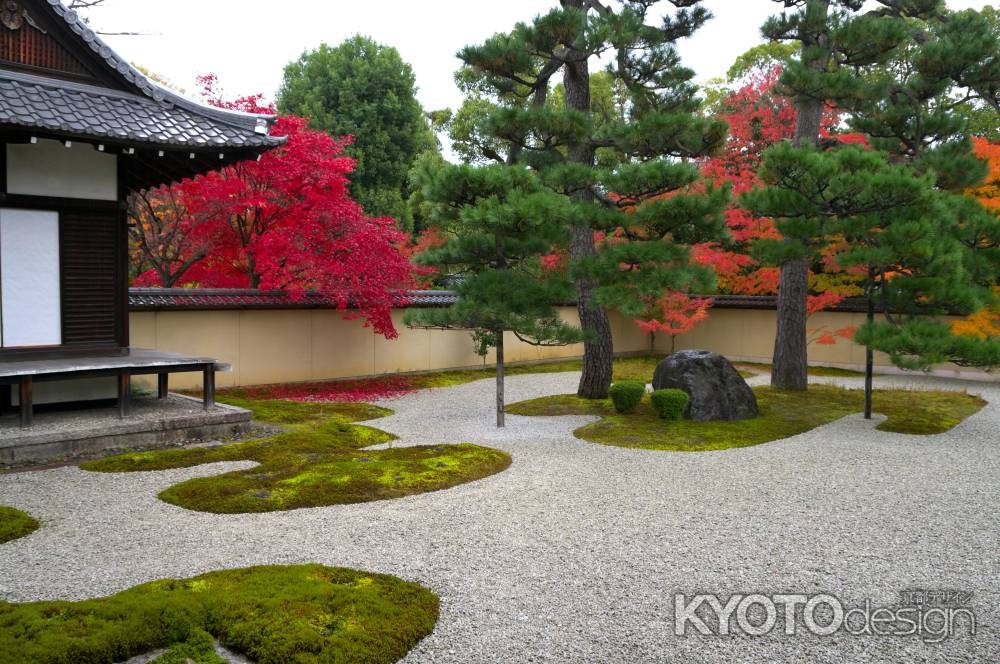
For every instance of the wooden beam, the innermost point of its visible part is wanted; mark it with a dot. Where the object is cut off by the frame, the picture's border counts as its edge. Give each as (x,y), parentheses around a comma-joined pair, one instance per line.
(162,385)
(124,393)
(208,387)
(27,407)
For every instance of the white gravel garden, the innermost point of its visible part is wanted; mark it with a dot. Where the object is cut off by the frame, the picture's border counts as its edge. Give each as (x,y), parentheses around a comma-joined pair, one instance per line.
(577,550)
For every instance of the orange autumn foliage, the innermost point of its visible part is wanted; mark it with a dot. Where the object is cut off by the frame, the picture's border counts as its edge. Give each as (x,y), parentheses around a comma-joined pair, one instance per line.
(986,323)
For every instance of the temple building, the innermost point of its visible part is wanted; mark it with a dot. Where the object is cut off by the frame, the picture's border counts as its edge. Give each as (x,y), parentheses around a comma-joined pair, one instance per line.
(79,129)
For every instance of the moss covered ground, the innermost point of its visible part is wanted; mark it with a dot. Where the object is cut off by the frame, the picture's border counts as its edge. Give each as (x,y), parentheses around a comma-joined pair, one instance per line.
(782,414)
(272,615)
(813,370)
(316,462)
(625,368)
(14,524)
(389,386)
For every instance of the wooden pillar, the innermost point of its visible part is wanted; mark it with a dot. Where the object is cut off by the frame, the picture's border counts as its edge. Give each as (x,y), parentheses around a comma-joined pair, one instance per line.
(5,398)
(162,385)
(27,409)
(208,387)
(124,393)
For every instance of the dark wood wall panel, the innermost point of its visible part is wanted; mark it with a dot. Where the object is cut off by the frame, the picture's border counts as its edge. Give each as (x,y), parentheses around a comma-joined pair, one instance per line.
(29,47)
(90,300)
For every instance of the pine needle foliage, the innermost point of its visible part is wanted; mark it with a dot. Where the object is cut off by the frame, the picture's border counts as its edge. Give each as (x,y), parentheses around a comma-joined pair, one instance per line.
(615,166)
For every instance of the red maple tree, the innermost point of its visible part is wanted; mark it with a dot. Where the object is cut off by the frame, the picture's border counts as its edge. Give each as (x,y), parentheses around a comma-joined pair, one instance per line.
(758,118)
(287,222)
(678,314)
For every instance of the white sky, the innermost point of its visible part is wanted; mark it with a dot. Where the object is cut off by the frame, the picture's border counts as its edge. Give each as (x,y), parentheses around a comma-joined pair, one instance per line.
(248,42)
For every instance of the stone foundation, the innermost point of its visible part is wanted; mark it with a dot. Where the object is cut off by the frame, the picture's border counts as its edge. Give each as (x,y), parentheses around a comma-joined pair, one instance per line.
(71,432)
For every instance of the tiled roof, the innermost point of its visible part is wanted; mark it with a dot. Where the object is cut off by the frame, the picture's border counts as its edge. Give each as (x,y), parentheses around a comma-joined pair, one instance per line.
(145,299)
(84,110)
(850,305)
(106,53)
(149,299)
(149,114)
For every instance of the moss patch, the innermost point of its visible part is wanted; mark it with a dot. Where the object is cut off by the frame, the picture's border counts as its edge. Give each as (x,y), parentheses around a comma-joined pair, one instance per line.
(624,368)
(305,614)
(782,414)
(813,370)
(317,462)
(15,523)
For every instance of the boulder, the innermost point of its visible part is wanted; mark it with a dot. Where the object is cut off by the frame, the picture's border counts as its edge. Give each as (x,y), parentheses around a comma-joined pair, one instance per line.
(716,388)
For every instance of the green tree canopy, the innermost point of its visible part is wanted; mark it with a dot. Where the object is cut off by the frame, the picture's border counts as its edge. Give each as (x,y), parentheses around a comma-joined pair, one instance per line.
(499,221)
(893,209)
(366,90)
(762,57)
(617,148)
(899,70)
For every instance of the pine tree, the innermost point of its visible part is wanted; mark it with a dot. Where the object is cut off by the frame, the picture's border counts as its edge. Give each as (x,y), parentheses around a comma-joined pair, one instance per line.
(886,221)
(498,220)
(612,169)
(894,210)
(856,58)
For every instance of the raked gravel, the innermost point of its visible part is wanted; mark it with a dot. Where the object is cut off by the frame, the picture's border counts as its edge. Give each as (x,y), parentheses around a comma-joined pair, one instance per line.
(574,553)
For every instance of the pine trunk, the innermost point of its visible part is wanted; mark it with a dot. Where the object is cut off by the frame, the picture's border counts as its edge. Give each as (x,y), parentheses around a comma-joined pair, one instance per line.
(500,398)
(869,360)
(598,349)
(790,363)
(790,368)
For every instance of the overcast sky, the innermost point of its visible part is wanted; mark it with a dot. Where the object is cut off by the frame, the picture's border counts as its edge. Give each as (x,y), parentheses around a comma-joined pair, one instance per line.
(248,42)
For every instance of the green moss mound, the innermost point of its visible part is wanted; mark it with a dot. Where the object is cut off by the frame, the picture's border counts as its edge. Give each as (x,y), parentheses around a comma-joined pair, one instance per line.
(317,462)
(15,523)
(272,615)
(782,414)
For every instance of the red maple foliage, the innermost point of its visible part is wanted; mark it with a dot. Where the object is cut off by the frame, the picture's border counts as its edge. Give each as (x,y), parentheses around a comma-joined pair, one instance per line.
(353,391)
(758,118)
(287,222)
(679,313)
(423,275)
(824,337)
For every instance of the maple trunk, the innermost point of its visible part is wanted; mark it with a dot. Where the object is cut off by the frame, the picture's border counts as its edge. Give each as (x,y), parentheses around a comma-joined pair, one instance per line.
(598,348)
(789,364)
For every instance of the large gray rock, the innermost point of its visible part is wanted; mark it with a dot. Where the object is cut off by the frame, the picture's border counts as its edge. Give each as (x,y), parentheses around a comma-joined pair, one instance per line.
(716,388)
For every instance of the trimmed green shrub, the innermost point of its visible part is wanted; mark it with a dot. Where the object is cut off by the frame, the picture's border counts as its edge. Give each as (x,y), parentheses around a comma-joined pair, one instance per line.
(308,614)
(626,395)
(670,404)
